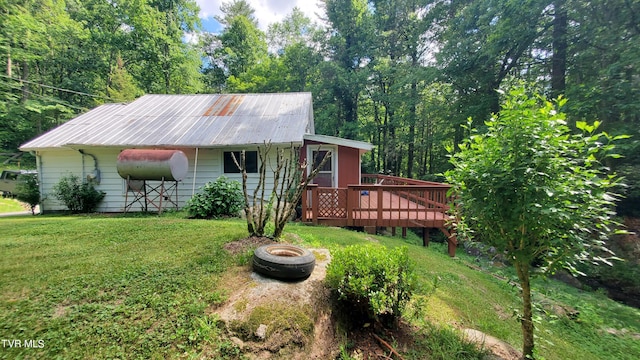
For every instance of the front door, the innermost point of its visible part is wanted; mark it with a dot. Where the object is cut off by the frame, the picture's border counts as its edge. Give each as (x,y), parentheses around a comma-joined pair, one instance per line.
(326,177)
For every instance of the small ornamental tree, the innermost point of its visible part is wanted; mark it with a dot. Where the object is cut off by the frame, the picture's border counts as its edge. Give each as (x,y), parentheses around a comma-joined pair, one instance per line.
(536,191)
(289,183)
(28,191)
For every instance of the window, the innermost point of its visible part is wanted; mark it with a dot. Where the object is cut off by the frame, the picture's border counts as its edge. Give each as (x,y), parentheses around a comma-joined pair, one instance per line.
(251,160)
(318,156)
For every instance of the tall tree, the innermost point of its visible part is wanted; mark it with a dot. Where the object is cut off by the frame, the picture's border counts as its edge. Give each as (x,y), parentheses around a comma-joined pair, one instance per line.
(295,28)
(559,58)
(232,53)
(233,8)
(481,43)
(349,48)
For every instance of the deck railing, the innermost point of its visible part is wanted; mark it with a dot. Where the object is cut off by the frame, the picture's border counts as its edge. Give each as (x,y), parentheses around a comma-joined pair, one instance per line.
(382,201)
(380,179)
(405,205)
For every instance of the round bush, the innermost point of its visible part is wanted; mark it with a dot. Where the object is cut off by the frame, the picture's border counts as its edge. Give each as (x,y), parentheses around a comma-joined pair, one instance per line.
(77,196)
(216,199)
(372,280)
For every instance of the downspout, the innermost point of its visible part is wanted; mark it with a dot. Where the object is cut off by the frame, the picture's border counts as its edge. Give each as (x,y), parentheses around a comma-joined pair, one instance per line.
(40,180)
(95,174)
(195,172)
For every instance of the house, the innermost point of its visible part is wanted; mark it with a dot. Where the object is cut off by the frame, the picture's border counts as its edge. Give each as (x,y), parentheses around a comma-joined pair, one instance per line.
(208,129)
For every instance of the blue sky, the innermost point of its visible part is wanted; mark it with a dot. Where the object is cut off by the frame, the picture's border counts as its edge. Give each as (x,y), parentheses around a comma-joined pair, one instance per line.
(267,11)
(211,25)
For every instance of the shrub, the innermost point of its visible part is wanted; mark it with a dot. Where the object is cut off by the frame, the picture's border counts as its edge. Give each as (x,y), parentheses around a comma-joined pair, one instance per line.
(372,281)
(28,191)
(77,196)
(220,198)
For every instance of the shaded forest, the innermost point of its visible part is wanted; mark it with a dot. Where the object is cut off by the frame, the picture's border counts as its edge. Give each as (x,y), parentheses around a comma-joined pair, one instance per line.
(401,74)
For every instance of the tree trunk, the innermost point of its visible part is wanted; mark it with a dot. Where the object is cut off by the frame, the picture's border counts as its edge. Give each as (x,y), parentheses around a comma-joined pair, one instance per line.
(412,122)
(25,84)
(527,314)
(9,63)
(559,59)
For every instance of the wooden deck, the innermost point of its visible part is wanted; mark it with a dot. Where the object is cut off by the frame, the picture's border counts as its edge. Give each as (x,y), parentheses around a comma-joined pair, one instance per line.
(387,202)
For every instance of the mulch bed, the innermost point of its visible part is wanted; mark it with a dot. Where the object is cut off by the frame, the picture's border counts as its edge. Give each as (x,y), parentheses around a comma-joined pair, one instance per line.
(242,245)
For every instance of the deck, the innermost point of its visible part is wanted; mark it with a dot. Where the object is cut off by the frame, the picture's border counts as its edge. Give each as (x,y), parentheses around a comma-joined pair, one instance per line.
(382,201)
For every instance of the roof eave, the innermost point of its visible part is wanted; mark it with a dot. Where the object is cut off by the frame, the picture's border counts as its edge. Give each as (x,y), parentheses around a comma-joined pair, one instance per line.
(361,145)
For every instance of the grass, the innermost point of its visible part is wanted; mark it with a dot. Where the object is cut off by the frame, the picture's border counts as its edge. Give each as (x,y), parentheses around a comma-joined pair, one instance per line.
(140,286)
(8,205)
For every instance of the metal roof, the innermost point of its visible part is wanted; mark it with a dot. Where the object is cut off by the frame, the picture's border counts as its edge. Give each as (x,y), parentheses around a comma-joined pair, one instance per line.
(212,120)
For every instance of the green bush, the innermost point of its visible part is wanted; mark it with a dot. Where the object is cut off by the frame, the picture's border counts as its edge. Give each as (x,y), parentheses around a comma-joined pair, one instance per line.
(220,198)
(28,191)
(77,196)
(372,281)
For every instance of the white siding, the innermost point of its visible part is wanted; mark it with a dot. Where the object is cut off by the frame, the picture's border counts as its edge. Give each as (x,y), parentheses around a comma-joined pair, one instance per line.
(54,164)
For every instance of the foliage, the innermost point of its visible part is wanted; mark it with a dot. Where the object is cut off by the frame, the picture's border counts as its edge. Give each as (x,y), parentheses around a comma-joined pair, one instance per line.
(63,57)
(77,196)
(122,86)
(28,191)
(373,281)
(535,191)
(443,343)
(403,75)
(115,287)
(219,198)
(140,285)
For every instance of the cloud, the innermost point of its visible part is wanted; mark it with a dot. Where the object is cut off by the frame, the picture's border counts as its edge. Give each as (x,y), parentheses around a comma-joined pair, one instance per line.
(209,8)
(266,11)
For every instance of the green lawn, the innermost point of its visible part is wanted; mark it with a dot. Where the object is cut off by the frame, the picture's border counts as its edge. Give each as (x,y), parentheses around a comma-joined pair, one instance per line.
(139,286)
(8,205)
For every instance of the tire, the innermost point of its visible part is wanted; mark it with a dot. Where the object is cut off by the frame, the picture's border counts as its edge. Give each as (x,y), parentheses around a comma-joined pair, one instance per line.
(282,261)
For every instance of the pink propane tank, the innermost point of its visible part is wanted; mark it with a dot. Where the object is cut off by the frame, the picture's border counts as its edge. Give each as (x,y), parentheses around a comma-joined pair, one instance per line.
(145,164)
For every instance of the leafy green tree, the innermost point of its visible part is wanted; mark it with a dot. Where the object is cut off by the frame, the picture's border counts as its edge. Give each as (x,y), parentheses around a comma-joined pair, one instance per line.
(236,51)
(295,28)
(122,85)
(482,42)
(349,47)
(233,8)
(243,44)
(535,191)
(28,191)
(156,29)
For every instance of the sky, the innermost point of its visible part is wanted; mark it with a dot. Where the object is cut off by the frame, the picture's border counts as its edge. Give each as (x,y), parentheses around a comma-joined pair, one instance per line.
(267,11)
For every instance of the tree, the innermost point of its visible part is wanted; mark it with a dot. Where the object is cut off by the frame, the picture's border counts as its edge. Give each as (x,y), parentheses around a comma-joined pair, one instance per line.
(290,181)
(349,48)
(482,42)
(295,28)
(28,191)
(537,192)
(237,50)
(234,8)
(122,86)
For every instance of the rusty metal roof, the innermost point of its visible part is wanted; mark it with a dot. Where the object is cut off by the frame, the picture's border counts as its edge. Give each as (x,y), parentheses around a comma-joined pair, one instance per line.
(212,120)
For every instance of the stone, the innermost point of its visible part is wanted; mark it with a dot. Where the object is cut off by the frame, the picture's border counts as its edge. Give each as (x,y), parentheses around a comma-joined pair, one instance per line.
(261,332)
